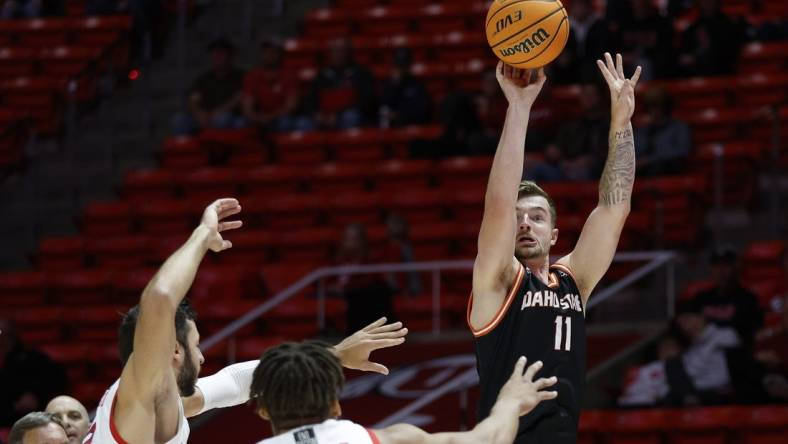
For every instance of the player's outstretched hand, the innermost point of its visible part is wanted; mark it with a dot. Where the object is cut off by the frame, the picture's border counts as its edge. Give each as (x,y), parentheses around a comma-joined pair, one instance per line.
(523,389)
(520,86)
(622,89)
(213,219)
(354,351)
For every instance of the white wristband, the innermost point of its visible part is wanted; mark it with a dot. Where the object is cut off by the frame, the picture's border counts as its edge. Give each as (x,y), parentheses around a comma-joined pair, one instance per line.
(228,387)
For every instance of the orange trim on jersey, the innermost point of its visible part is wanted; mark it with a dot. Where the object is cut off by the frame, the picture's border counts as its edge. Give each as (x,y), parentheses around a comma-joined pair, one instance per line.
(373,436)
(552,280)
(112,429)
(501,311)
(566,270)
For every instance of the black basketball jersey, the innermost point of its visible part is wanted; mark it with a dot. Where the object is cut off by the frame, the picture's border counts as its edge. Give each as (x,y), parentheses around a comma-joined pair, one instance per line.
(543,322)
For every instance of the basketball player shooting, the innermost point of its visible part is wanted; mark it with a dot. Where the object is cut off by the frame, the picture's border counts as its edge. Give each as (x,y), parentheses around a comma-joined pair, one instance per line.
(520,304)
(159,346)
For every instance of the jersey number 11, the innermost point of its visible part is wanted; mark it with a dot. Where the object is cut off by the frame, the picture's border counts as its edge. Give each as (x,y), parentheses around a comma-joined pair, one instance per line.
(559,332)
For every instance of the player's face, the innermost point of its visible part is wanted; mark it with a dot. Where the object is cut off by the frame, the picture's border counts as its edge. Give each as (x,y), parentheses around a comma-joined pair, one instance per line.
(73,415)
(535,232)
(192,361)
(50,434)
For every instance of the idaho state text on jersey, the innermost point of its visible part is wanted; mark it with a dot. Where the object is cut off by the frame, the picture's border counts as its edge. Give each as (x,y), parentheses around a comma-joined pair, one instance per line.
(550,299)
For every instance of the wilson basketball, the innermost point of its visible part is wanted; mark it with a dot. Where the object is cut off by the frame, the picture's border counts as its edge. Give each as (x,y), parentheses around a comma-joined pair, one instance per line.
(527,33)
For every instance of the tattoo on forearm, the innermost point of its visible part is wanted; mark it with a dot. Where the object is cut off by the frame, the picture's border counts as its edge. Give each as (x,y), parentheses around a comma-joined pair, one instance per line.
(615,186)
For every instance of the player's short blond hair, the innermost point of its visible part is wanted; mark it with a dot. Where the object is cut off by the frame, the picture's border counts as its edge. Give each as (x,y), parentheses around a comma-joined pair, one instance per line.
(529,188)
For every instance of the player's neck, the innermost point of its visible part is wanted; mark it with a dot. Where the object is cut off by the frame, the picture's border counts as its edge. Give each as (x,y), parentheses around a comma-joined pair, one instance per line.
(540,266)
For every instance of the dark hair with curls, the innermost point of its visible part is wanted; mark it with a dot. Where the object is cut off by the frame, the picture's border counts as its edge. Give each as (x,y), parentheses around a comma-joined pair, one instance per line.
(297,383)
(129,324)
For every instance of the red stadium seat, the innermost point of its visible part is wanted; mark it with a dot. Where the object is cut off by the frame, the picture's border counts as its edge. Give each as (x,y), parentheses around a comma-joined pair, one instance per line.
(209,184)
(400,175)
(183,152)
(61,253)
(277,277)
(96,324)
(464,173)
(39,324)
(358,145)
(419,206)
(365,208)
(339,177)
(146,185)
(273,180)
(301,148)
(637,427)
(249,248)
(107,219)
(81,287)
(707,425)
(165,217)
(309,245)
(127,285)
(762,260)
(118,252)
(763,425)
(22,289)
(294,211)
(434,241)
(253,348)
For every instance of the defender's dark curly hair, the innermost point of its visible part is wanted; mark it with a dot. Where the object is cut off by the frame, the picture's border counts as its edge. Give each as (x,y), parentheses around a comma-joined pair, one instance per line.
(128,325)
(297,383)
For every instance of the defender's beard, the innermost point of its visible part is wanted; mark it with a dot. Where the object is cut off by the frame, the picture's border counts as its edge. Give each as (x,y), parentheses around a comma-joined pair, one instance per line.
(187,377)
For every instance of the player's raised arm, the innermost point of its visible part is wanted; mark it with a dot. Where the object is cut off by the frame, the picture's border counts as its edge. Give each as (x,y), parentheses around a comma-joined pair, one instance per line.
(230,386)
(494,268)
(598,241)
(154,335)
(517,397)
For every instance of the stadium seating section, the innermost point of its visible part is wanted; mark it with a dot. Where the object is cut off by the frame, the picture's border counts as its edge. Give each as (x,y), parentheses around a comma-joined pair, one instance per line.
(301,190)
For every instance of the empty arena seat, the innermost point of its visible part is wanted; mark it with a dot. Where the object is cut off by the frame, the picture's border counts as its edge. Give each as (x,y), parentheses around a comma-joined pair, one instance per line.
(40,324)
(273,180)
(301,148)
(347,208)
(128,285)
(118,252)
(277,277)
(358,144)
(763,424)
(310,245)
(762,260)
(637,426)
(210,184)
(250,247)
(81,287)
(23,288)
(168,217)
(340,177)
(253,348)
(107,219)
(146,185)
(61,253)
(702,425)
(293,210)
(402,176)
(463,173)
(183,152)
(417,206)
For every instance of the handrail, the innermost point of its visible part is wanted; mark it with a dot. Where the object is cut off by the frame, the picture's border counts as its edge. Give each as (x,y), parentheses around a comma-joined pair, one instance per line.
(657,258)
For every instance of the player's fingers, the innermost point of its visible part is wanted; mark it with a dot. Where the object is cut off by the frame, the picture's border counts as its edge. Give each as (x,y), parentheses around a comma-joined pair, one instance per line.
(519,366)
(540,76)
(391,335)
(226,245)
(605,73)
(610,65)
(619,66)
(226,202)
(636,76)
(386,343)
(231,225)
(375,324)
(530,372)
(543,383)
(544,396)
(381,328)
(229,211)
(375,367)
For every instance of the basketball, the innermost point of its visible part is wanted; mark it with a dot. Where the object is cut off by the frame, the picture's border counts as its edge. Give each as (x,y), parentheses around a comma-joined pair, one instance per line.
(527,33)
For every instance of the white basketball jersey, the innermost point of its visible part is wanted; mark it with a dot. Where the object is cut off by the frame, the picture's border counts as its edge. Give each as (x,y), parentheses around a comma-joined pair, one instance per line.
(103,431)
(330,431)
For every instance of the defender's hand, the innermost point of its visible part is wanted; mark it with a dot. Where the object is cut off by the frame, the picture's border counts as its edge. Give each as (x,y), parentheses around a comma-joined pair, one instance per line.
(520,86)
(523,389)
(622,90)
(354,351)
(212,218)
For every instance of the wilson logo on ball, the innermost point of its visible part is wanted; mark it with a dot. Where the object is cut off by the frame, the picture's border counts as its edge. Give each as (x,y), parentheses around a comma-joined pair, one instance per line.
(529,43)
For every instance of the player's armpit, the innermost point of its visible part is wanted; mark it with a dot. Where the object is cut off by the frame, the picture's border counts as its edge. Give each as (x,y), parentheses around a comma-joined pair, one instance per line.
(489,298)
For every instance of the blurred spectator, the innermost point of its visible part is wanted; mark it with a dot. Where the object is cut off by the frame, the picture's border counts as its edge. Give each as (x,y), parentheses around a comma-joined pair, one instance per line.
(12,9)
(583,142)
(73,416)
(663,144)
(700,375)
(270,96)
(490,110)
(588,40)
(368,296)
(772,354)
(711,45)
(728,303)
(28,378)
(406,100)
(647,40)
(400,249)
(38,428)
(215,96)
(343,92)
(647,385)
(551,169)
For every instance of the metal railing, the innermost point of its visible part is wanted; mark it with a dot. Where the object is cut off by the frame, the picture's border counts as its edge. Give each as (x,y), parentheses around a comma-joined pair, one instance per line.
(654,261)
